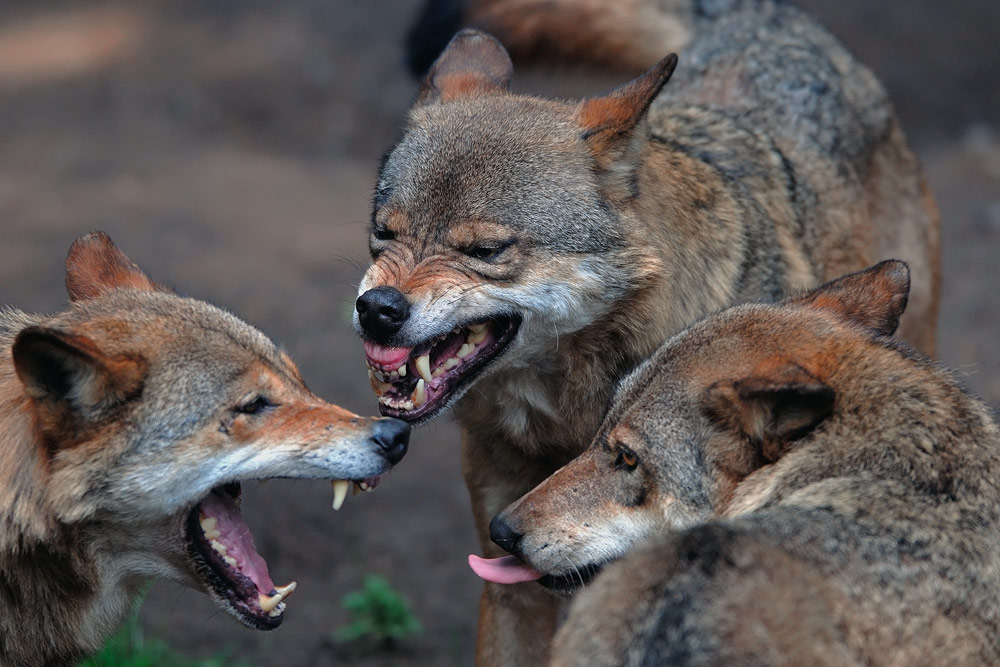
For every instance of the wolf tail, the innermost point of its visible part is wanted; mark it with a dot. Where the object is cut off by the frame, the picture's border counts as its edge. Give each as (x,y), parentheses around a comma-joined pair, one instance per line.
(627,35)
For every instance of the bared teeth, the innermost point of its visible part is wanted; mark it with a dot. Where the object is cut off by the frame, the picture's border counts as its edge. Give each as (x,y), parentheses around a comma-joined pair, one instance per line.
(219,547)
(419,394)
(401,371)
(424,367)
(208,526)
(340,488)
(379,387)
(465,350)
(451,362)
(477,337)
(230,561)
(268,603)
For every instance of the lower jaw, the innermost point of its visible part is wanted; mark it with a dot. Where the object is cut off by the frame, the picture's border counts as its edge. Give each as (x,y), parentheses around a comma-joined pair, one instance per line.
(568,584)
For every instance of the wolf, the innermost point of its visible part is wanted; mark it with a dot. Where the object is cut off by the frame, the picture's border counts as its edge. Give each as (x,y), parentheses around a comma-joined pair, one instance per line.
(780,484)
(130,421)
(529,253)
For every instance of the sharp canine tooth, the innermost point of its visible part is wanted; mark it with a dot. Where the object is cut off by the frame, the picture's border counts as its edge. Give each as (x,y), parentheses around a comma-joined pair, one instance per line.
(424,367)
(419,394)
(402,371)
(340,488)
(465,350)
(269,602)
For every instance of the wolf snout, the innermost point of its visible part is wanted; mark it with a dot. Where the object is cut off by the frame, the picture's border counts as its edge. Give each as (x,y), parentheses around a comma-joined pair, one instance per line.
(382,312)
(392,437)
(504,535)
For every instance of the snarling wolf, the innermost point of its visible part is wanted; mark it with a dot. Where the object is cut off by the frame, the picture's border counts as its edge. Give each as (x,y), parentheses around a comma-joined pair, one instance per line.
(529,253)
(786,484)
(129,422)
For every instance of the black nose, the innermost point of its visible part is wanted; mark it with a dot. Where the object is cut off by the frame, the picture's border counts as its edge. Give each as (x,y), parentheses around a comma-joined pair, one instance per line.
(503,535)
(382,311)
(392,436)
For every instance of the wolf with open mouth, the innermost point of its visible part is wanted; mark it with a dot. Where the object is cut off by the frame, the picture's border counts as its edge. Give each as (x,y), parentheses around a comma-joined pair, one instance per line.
(130,421)
(528,253)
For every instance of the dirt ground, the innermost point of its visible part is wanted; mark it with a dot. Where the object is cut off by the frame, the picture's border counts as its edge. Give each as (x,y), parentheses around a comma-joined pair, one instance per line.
(230,147)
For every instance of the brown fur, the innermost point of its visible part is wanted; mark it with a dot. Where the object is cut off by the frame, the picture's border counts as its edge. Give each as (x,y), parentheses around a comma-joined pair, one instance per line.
(802,490)
(770,162)
(119,416)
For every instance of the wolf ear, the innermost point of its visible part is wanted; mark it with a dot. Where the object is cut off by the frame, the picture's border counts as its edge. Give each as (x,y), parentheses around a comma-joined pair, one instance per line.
(607,121)
(69,369)
(774,406)
(874,298)
(473,63)
(95,265)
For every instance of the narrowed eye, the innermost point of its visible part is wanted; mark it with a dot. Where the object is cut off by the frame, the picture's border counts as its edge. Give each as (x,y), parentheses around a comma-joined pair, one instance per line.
(626,459)
(254,406)
(383,233)
(487,251)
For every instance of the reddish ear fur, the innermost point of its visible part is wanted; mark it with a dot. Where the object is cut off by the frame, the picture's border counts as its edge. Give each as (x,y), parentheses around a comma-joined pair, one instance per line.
(605,120)
(70,369)
(95,265)
(874,298)
(776,405)
(473,63)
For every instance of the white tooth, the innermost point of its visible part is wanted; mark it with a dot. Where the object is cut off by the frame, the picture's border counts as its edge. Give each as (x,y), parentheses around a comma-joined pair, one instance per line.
(438,372)
(477,328)
(451,363)
(213,534)
(424,367)
(393,376)
(419,394)
(465,351)
(363,485)
(378,387)
(476,338)
(402,371)
(208,527)
(219,547)
(270,603)
(230,561)
(340,488)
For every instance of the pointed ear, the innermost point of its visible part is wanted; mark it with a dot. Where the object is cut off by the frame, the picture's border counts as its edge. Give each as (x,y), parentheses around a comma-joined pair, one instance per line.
(95,265)
(69,369)
(874,298)
(773,407)
(607,121)
(473,63)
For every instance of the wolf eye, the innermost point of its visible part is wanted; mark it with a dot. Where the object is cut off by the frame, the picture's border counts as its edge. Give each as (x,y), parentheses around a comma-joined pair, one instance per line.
(487,252)
(254,406)
(626,459)
(383,233)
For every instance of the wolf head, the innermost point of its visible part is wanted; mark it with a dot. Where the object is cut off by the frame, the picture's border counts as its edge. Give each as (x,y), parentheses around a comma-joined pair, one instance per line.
(719,401)
(147,412)
(496,227)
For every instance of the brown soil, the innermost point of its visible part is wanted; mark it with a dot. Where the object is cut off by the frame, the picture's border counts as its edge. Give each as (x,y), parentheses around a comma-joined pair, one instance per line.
(230,148)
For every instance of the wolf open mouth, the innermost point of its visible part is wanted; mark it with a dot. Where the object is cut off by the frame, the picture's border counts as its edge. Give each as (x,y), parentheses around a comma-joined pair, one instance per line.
(414,383)
(221,547)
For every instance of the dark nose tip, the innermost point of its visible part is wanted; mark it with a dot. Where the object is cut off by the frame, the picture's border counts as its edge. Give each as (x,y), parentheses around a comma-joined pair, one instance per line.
(382,311)
(393,437)
(503,535)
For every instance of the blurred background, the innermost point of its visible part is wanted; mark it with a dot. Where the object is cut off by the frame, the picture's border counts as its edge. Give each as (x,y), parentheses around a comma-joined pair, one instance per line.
(230,148)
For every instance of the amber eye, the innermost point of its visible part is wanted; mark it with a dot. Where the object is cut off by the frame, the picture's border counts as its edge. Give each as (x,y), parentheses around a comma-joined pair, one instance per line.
(626,459)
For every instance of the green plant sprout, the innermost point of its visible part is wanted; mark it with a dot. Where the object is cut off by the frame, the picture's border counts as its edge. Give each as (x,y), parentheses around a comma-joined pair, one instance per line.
(379,615)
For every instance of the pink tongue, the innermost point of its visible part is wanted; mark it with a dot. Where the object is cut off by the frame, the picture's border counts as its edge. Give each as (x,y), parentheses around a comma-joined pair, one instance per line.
(505,570)
(236,537)
(387,357)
